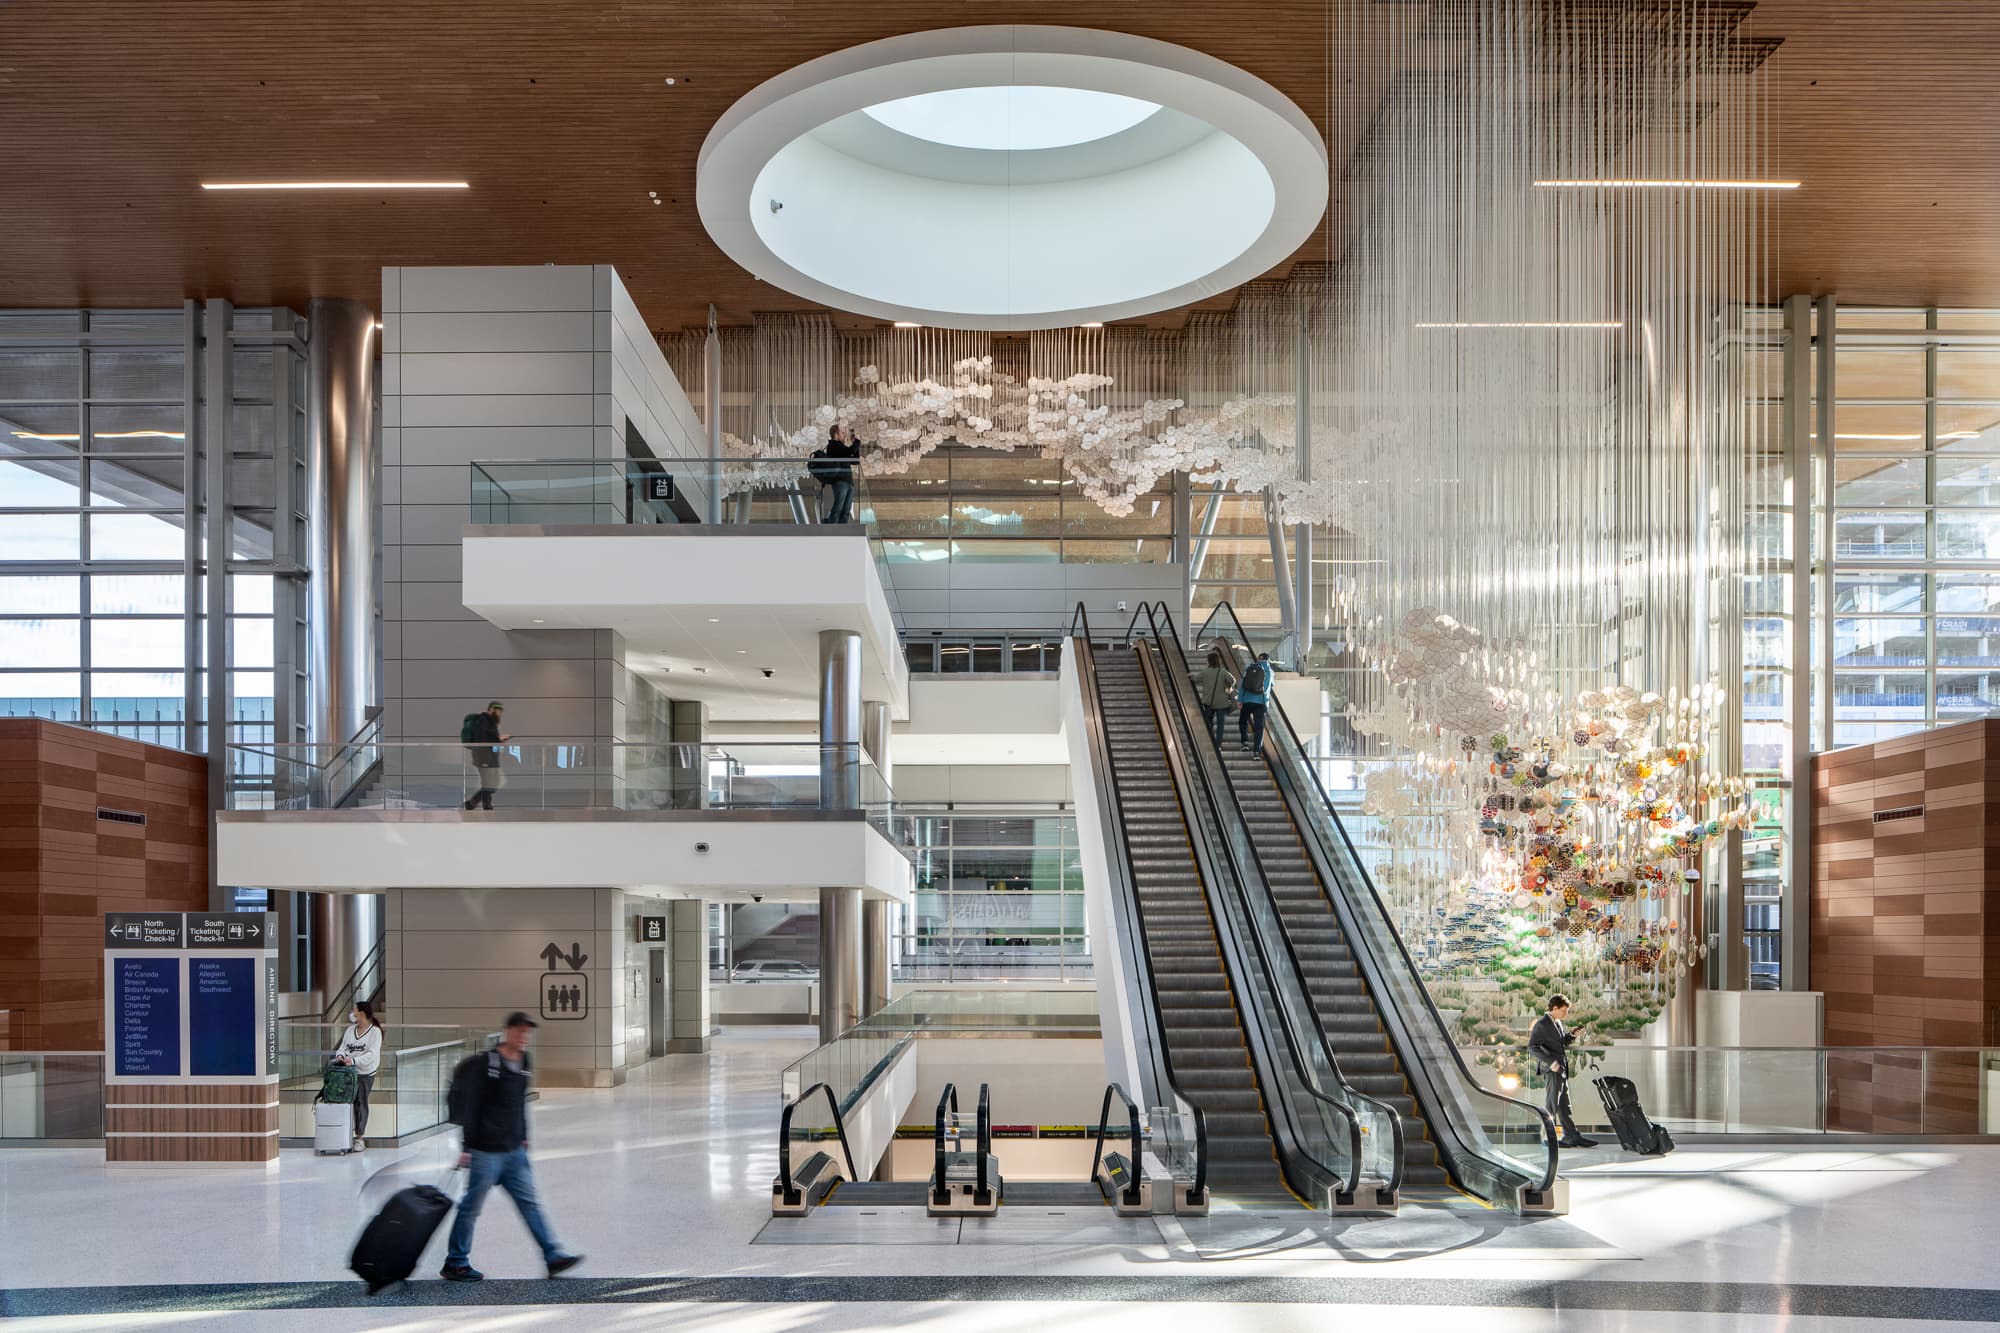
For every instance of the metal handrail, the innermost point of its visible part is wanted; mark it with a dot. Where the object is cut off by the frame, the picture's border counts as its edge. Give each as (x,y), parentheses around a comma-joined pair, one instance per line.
(983,1148)
(1132,1191)
(1374,896)
(791,1193)
(940,1192)
(1301,1067)
(1185,678)
(1087,673)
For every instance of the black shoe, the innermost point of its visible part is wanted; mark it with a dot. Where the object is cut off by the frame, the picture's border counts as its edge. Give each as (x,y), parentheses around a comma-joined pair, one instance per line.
(462,1273)
(562,1263)
(1578,1142)
(468,804)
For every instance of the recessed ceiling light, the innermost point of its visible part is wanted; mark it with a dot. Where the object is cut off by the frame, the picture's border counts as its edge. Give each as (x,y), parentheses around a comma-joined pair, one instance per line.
(541,622)
(1641,184)
(742,650)
(336,185)
(1090,326)
(908,324)
(670,81)
(715,620)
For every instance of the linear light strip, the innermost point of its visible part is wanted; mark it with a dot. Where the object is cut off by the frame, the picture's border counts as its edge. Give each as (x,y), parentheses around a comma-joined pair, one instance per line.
(336,185)
(1527,324)
(1613,184)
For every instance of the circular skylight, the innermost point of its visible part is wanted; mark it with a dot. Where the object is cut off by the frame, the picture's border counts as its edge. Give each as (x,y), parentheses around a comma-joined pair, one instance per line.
(1011,177)
(1012,119)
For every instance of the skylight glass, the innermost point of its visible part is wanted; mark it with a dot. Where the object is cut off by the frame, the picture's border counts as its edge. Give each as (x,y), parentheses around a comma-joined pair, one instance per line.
(1012,119)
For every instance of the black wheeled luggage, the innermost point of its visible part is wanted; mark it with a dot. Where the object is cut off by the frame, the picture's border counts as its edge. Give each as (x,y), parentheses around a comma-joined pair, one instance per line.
(393,1243)
(1635,1132)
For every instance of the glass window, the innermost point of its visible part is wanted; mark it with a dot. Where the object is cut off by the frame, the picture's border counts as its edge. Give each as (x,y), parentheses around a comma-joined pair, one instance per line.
(1879,428)
(1968,535)
(119,642)
(1968,428)
(1764,642)
(1878,481)
(1968,372)
(1869,693)
(1967,694)
(41,537)
(924,517)
(39,594)
(1890,641)
(1968,481)
(137,594)
(139,429)
(1968,593)
(135,537)
(1968,641)
(30,374)
(39,484)
(1004,552)
(125,373)
(920,656)
(137,685)
(41,644)
(1879,372)
(996,517)
(1879,536)
(1888,592)
(1131,551)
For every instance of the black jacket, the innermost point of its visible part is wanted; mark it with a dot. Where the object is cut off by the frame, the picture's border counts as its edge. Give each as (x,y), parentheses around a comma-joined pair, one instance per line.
(489,1102)
(485,727)
(1550,1045)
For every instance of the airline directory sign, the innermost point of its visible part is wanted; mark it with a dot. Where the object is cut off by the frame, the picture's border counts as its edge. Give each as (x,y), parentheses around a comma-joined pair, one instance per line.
(191,995)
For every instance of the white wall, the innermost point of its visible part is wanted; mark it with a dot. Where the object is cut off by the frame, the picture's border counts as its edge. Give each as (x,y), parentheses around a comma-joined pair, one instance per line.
(954,595)
(983,784)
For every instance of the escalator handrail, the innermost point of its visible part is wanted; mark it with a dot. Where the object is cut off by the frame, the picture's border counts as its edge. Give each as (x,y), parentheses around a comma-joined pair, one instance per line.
(791,1190)
(1180,667)
(1080,617)
(1353,860)
(1301,1067)
(985,1143)
(1104,1127)
(1087,679)
(948,1098)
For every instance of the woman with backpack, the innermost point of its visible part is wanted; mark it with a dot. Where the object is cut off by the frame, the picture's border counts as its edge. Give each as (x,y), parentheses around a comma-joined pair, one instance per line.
(361,1047)
(1215,689)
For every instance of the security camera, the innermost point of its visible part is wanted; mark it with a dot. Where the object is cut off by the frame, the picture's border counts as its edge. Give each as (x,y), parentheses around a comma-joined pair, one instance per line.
(701,846)
(756,897)
(768,673)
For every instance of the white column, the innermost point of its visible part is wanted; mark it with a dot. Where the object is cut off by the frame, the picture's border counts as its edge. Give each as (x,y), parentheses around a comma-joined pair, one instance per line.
(839,786)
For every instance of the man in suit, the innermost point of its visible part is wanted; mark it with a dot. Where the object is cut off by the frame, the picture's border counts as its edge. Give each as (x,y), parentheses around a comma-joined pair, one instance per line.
(1549,1043)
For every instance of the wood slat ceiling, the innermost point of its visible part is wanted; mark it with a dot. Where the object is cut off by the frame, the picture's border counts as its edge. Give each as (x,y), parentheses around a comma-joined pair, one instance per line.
(557,111)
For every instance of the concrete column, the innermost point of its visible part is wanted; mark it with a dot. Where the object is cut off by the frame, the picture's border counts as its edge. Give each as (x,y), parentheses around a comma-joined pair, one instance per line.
(875,943)
(839,787)
(687,975)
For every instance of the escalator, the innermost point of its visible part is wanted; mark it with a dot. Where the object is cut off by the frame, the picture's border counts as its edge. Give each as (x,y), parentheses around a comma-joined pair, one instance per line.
(1203,1036)
(1388,1037)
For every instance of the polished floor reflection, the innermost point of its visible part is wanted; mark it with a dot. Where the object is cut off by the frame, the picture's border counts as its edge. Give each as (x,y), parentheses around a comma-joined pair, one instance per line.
(663,1183)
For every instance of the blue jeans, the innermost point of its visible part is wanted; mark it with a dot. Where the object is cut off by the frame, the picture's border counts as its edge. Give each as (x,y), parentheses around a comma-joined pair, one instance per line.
(840,506)
(1250,725)
(1217,720)
(511,1172)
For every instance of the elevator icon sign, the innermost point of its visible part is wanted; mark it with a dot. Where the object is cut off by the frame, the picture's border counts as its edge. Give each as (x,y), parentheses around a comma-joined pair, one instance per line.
(565,995)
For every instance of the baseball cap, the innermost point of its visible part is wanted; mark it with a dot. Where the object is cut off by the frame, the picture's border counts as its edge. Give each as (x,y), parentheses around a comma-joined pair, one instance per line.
(496,705)
(517,1019)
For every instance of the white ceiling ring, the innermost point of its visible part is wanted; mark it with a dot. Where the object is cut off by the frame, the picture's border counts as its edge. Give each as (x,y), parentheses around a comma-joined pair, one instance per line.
(881,216)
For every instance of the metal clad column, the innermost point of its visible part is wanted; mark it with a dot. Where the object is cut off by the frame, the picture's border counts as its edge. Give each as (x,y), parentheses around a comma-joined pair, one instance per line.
(875,945)
(342,502)
(839,789)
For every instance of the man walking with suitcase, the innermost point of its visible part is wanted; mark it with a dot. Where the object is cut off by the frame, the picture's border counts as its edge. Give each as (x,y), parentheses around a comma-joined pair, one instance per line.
(1549,1043)
(489,1104)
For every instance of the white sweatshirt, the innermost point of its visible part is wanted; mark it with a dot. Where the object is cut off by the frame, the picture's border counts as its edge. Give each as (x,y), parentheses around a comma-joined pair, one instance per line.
(365,1052)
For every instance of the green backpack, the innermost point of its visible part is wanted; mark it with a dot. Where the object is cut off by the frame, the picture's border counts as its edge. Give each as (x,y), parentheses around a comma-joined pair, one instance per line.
(465,727)
(339,1083)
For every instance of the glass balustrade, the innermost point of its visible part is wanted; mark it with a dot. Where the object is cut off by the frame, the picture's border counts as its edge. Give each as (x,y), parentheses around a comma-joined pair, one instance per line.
(600,492)
(552,774)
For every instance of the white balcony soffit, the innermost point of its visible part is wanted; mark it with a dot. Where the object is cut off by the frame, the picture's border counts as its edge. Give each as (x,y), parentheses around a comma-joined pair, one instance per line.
(704,611)
(777,856)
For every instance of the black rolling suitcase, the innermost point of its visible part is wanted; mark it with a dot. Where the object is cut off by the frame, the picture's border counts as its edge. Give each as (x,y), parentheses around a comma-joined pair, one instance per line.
(1635,1132)
(393,1243)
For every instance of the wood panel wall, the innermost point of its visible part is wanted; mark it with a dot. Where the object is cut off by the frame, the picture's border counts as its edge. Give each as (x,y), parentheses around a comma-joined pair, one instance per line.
(1906,922)
(191,1122)
(62,867)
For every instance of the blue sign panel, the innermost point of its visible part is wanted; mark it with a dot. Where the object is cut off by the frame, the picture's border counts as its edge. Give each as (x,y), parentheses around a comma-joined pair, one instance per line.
(146,1003)
(222,1017)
